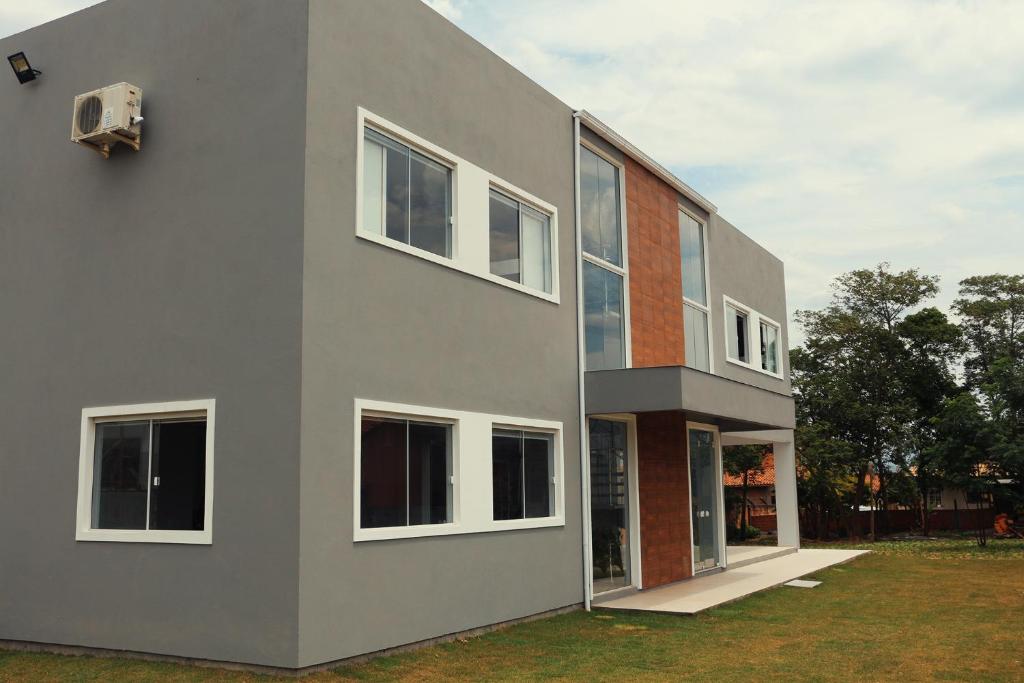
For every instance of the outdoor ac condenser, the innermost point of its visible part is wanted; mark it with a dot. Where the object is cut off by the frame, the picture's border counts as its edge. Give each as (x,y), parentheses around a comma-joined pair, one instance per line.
(104,117)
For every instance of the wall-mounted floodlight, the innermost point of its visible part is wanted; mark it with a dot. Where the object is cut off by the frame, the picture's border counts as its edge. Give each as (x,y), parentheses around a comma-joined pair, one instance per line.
(22,69)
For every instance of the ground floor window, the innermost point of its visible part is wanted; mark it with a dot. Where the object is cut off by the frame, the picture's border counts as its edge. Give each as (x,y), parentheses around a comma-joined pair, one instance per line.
(609,504)
(406,473)
(522,474)
(145,473)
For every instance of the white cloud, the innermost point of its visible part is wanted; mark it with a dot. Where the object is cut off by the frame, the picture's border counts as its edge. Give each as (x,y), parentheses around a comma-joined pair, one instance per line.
(837,134)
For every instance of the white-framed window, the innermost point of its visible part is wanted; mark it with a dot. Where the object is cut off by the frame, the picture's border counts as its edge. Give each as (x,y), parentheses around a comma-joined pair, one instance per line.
(762,353)
(422,471)
(605,267)
(522,474)
(520,242)
(696,313)
(934,499)
(418,198)
(145,473)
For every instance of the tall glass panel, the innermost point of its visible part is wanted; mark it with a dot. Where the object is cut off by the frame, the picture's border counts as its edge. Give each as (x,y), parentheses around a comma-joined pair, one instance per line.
(536,250)
(609,505)
(691,243)
(429,473)
(703,499)
(600,208)
(120,475)
(736,328)
(507,474)
(769,348)
(603,318)
(177,499)
(429,205)
(382,473)
(504,234)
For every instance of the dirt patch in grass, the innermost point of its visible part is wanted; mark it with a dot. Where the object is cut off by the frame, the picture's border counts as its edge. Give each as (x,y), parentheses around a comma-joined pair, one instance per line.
(935,613)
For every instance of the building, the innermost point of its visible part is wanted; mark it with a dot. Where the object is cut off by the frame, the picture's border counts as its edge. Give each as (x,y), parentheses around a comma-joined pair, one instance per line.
(373,341)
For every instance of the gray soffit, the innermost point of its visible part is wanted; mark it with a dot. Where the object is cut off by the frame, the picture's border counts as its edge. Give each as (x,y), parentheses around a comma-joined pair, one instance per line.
(733,405)
(628,148)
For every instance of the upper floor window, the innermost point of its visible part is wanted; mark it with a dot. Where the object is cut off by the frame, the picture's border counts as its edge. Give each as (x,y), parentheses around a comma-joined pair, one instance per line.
(769,347)
(695,295)
(523,474)
(600,208)
(407,196)
(520,238)
(761,352)
(405,472)
(737,326)
(604,271)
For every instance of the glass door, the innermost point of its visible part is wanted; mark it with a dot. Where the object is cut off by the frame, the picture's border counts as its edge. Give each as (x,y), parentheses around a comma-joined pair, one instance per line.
(609,505)
(704,499)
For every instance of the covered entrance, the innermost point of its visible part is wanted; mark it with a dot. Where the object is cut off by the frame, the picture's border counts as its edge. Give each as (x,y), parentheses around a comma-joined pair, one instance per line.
(654,478)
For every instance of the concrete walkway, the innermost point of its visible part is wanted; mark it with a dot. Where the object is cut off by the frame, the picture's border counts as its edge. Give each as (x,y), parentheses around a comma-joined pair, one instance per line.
(703,592)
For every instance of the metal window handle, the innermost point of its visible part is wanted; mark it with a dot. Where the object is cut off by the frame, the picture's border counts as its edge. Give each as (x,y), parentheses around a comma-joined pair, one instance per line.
(156,481)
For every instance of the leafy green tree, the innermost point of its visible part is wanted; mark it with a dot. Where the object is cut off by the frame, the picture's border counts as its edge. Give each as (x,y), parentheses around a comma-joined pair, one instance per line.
(991,308)
(744,462)
(853,378)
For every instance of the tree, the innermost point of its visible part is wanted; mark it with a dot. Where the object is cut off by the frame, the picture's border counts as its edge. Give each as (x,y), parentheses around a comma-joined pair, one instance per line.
(743,461)
(851,378)
(991,308)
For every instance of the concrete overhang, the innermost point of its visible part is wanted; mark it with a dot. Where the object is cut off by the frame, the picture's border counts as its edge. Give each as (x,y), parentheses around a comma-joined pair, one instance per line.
(732,405)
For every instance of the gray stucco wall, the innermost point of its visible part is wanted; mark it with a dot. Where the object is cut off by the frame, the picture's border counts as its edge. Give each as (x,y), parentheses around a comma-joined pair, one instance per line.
(745,271)
(170,274)
(383,325)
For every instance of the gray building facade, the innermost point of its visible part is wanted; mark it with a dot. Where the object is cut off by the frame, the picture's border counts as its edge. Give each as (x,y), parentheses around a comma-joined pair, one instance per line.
(348,253)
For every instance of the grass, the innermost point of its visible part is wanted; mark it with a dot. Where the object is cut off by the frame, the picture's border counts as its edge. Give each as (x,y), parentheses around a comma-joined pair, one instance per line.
(912,611)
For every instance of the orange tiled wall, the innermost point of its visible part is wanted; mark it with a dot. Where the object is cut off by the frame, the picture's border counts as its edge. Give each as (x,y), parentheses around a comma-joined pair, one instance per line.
(655,279)
(664,487)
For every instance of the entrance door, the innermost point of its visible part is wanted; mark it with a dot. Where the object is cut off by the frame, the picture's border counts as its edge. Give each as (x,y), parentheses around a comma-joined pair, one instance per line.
(704,487)
(609,505)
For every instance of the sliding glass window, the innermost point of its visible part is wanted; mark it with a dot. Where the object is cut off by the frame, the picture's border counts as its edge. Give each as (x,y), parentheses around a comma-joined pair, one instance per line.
(522,468)
(520,238)
(407,196)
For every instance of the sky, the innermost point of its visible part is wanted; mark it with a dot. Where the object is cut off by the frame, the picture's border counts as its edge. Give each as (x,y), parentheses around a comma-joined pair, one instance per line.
(836,134)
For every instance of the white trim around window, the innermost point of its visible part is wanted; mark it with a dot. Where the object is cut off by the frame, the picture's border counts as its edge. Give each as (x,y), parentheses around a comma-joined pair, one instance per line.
(470,209)
(754,320)
(471,466)
(177,410)
(623,270)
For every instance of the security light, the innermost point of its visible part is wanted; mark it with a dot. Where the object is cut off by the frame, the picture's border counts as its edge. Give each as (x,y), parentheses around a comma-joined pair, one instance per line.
(22,69)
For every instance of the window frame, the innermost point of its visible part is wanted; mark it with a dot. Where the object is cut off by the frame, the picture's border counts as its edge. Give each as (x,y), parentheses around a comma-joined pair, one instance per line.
(522,202)
(469,247)
(623,270)
(768,322)
(205,408)
(754,320)
(707,291)
(555,475)
(471,485)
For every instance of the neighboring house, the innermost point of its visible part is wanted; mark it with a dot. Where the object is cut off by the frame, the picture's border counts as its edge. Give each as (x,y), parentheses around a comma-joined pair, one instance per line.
(760,491)
(333,364)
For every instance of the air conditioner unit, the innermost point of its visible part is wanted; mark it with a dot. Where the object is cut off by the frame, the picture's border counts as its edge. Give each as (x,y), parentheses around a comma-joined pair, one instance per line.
(108,116)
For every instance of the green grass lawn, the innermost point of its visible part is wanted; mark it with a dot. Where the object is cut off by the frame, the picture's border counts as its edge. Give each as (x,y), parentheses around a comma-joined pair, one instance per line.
(911,611)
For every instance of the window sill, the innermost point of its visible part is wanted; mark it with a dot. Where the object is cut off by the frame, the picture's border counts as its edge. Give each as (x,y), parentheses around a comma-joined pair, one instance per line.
(454,264)
(143,536)
(748,366)
(429,530)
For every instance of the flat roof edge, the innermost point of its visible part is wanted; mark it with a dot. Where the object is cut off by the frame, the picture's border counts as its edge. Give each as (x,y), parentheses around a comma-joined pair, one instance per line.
(644,160)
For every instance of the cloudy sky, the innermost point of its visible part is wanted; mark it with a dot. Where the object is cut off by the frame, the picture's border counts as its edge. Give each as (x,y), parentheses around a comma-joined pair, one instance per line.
(837,134)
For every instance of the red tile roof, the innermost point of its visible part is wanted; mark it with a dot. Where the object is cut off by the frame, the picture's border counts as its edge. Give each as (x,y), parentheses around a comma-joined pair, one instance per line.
(765,478)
